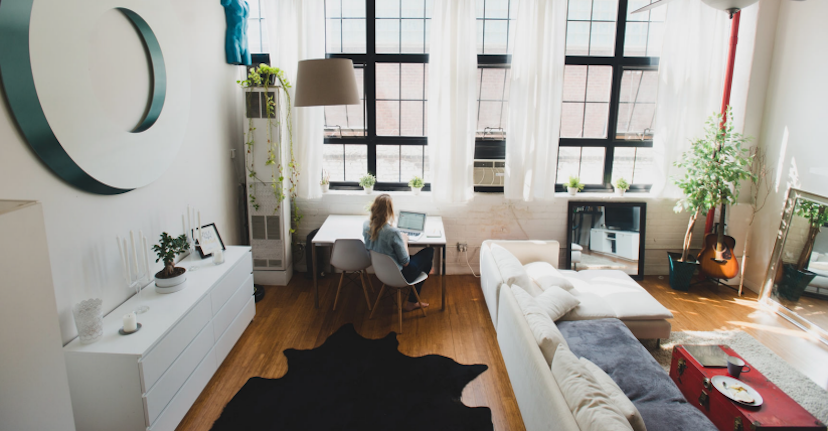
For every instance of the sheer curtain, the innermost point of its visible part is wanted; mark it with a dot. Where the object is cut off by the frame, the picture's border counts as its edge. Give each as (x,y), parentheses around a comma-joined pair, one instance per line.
(452,78)
(691,80)
(535,100)
(296,31)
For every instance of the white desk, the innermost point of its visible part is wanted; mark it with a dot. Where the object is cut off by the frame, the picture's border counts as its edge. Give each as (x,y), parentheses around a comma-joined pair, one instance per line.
(350,227)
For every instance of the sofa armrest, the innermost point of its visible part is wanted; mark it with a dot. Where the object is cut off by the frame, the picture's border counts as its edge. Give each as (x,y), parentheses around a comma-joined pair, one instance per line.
(528,251)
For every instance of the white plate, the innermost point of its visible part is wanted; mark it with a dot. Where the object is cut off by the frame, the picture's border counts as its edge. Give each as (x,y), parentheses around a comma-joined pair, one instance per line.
(719,383)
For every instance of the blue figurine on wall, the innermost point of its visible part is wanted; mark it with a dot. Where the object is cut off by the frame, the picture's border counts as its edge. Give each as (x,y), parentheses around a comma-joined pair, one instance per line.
(235,44)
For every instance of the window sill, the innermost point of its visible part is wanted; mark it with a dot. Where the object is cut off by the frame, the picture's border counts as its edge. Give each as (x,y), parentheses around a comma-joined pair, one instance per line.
(589,196)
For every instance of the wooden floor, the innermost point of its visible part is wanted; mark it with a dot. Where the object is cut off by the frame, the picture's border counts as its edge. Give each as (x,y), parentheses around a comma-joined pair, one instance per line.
(815,310)
(286,318)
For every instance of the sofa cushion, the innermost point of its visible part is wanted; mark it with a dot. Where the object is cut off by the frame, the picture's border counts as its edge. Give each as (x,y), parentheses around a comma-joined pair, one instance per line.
(510,268)
(627,299)
(547,275)
(588,402)
(543,328)
(617,396)
(591,306)
(556,302)
(610,345)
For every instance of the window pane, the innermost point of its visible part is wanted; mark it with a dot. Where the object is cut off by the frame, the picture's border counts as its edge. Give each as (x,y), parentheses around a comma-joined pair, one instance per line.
(643,173)
(333,35)
(569,163)
(590,84)
(572,120)
(635,39)
(591,27)
(388,163)
(600,84)
(580,10)
(577,38)
(388,35)
(493,81)
(411,162)
(411,116)
(413,36)
(603,39)
(412,85)
(388,118)
(401,116)
(596,117)
(347,120)
(388,81)
(333,161)
(254,41)
(356,162)
(636,107)
(492,114)
(633,164)
(605,10)
(387,8)
(574,83)
(353,8)
(587,163)
(495,35)
(333,9)
(497,9)
(644,33)
(495,26)
(353,36)
(414,9)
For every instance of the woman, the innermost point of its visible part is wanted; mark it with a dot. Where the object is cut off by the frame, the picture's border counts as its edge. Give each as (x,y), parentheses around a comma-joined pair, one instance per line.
(383,238)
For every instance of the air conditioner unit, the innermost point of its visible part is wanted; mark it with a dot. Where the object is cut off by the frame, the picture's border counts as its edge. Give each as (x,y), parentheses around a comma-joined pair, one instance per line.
(489,173)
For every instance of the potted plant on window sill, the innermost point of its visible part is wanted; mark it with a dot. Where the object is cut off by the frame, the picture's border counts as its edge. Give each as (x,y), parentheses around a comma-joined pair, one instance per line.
(325,184)
(170,278)
(573,186)
(416,185)
(621,186)
(795,277)
(367,182)
(715,167)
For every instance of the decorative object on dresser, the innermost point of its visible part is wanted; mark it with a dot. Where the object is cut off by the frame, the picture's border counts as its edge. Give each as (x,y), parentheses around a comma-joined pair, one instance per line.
(138,277)
(149,379)
(170,278)
(574,185)
(416,184)
(89,320)
(715,166)
(621,186)
(367,182)
(354,383)
(208,240)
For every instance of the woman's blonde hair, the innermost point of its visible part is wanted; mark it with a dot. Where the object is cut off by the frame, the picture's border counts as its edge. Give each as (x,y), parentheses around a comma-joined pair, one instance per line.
(382,211)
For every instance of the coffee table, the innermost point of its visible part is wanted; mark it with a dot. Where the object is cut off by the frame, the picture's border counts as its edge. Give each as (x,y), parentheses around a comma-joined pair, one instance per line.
(778,412)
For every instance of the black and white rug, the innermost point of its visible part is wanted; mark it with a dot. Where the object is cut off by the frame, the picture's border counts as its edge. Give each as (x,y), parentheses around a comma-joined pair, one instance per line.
(353,383)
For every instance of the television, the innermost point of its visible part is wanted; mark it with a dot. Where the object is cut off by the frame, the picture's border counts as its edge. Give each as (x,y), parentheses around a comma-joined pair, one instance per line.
(621,218)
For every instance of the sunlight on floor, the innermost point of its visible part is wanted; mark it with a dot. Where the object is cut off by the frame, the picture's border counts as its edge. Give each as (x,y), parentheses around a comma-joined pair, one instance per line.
(798,333)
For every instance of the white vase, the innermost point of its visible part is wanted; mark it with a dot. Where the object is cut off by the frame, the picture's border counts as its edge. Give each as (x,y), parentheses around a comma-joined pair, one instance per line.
(170,285)
(620,192)
(369,190)
(325,187)
(416,190)
(572,191)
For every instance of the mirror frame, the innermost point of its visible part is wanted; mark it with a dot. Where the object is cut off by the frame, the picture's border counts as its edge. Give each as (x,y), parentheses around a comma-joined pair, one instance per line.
(642,229)
(782,235)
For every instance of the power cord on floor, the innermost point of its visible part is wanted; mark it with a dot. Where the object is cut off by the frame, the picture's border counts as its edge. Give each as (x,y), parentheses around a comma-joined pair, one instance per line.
(466,254)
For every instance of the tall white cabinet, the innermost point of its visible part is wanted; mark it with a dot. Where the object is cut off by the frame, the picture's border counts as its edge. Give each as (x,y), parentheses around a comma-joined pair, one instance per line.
(148,380)
(269,228)
(34,390)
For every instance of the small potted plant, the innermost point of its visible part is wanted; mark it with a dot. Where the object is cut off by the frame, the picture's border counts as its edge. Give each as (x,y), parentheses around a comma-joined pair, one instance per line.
(416,184)
(574,185)
(326,181)
(171,276)
(621,186)
(367,182)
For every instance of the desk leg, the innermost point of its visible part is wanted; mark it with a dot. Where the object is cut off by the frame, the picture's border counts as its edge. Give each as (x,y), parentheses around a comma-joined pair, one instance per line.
(314,269)
(443,279)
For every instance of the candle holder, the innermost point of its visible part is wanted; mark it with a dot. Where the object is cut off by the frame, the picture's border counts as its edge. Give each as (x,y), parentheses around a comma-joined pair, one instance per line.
(141,276)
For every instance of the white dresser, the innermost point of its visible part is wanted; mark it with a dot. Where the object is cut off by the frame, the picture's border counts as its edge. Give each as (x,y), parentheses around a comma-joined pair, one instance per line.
(148,380)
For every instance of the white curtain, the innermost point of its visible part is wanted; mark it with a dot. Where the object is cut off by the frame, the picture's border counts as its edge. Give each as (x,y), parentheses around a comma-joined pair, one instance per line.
(535,100)
(296,31)
(452,79)
(691,81)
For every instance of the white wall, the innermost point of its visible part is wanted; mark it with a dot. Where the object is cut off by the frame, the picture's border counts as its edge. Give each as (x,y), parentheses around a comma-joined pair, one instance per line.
(794,118)
(81,227)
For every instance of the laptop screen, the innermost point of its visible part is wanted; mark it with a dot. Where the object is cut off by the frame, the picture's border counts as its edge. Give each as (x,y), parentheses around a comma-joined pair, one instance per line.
(411,221)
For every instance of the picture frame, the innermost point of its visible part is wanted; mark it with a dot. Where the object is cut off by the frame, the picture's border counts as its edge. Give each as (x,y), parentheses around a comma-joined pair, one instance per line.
(212,240)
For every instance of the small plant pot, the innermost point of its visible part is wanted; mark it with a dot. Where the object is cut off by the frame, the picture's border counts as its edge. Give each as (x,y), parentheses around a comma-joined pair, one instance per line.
(572,191)
(793,282)
(416,190)
(368,190)
(681,273)
(171,284)
(620,192)
(325,187)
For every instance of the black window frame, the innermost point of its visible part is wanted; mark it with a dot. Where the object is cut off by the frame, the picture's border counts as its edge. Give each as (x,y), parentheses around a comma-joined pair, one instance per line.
(619,64)
(371,140)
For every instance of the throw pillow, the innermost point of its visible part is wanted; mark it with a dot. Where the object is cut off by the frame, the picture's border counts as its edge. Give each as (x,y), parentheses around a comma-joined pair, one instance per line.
(543,328)
(589,403)
(547,275)
(616,395)
(510,269)
(556,302)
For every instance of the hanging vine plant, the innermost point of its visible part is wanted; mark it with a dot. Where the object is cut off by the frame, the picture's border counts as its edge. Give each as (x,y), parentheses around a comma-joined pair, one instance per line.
(265,76)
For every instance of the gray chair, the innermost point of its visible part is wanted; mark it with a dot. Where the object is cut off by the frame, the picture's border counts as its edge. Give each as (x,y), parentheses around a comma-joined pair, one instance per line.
(391,276)
(350,255)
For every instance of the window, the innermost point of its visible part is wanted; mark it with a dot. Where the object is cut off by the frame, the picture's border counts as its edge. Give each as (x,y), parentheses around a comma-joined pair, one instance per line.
(385,135)
(609,97)
(256,30)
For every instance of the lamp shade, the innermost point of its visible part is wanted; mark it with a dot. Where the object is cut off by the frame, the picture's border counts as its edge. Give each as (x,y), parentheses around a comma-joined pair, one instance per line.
(326,82)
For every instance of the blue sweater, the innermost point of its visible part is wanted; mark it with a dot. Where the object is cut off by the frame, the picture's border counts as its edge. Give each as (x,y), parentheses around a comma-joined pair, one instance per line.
(389,242)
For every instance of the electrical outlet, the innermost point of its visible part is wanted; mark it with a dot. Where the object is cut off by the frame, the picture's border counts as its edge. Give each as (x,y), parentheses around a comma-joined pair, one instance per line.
(462,247)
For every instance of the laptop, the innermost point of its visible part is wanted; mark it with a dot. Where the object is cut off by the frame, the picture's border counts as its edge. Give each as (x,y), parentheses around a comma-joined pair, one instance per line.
(412,224)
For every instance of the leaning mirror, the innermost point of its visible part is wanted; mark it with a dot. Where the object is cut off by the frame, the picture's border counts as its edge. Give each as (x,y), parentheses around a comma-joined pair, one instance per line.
(606,235)
(797,280)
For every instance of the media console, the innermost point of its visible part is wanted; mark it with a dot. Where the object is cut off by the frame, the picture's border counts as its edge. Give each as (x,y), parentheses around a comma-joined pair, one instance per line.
(619,243)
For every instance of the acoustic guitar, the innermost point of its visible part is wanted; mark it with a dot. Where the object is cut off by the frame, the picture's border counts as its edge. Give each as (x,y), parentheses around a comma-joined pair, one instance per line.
(716,258)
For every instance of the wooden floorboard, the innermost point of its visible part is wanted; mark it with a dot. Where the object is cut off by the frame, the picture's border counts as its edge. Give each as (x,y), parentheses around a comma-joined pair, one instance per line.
(286,318)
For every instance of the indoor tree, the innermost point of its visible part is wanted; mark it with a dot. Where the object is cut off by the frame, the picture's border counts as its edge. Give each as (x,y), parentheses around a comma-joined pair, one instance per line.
(817,216)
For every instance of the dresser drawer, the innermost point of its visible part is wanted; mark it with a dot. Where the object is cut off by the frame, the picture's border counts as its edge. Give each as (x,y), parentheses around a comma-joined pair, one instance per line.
(230,283)
(166,386)
(157,360)
(184,399)
(231,309)
(235,331)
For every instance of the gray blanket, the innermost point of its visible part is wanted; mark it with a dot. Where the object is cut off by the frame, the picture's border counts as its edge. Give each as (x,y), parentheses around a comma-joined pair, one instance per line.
(611,346)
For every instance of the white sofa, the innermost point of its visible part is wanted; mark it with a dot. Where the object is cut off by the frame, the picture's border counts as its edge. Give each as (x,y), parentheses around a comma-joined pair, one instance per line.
(603,293)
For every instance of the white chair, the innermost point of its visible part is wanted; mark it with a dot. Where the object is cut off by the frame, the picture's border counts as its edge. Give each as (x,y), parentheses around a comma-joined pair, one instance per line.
(391,276)
(350,255)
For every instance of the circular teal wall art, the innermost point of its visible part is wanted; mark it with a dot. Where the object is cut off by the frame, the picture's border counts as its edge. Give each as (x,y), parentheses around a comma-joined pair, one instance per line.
(45,75)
